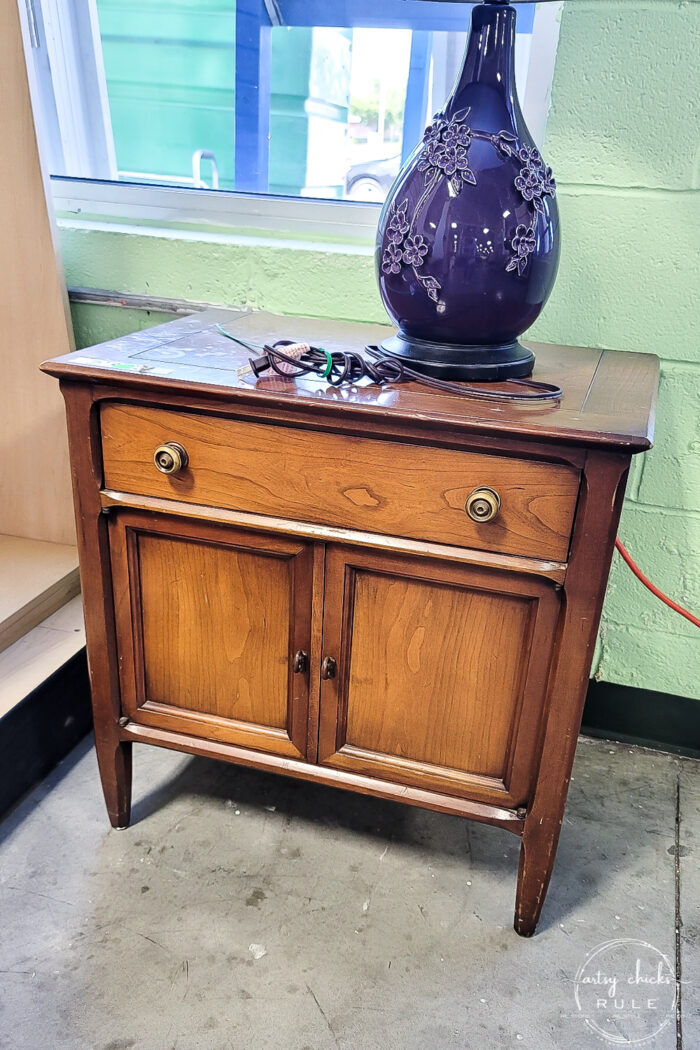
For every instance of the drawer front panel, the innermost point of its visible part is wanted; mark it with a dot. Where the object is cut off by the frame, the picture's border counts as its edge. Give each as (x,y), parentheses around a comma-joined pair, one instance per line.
(374,486)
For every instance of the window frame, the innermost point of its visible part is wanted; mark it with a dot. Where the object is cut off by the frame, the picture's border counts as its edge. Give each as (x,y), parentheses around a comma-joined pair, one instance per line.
(216,212)
(236,213)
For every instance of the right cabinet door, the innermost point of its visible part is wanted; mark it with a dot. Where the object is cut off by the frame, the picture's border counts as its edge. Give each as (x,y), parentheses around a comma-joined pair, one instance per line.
(435,673)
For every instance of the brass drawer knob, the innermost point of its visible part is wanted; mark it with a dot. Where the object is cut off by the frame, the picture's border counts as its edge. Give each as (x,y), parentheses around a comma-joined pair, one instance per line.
(170,458)
(483,505)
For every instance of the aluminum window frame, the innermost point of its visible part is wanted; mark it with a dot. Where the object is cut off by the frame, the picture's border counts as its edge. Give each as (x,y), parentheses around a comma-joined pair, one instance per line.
(235,213)
(214,211)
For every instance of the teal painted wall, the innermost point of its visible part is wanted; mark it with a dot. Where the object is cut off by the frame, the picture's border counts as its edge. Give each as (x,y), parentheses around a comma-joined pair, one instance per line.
(170,78)
(310,84)
(623,140)
(170,70)
(289,125)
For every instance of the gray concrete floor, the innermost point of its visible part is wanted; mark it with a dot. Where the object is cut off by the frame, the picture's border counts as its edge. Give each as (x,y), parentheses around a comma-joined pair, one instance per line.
(245,910)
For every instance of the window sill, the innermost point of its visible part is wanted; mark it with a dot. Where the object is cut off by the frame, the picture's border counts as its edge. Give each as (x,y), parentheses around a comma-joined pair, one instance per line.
(216,216)
(250,238)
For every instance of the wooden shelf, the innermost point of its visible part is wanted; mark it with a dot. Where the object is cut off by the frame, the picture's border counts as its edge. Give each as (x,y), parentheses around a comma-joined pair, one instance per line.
(30,661)
(37,579)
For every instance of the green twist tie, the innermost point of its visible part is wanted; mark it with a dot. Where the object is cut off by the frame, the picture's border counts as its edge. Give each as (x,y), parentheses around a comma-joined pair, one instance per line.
(329,363)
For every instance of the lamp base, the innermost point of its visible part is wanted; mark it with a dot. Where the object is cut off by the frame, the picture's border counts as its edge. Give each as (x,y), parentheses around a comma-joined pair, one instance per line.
(473,364)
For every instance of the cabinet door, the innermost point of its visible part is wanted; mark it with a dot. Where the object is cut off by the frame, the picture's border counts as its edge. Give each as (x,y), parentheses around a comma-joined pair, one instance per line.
(441,673)
(209,620)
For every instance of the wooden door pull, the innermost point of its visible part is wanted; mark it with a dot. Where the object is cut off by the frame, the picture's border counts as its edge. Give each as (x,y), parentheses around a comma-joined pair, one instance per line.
(301,662)
(329,668)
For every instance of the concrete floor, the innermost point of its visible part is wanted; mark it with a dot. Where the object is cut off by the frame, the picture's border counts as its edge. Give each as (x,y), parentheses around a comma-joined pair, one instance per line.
(244,910)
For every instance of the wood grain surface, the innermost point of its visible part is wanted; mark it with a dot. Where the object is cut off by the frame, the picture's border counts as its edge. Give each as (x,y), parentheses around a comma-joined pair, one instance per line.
(215,627)
(441,671)
(462,651)
(500,816)
(209,636)
(448,664)
(609,397)
(34,470)
(385,487)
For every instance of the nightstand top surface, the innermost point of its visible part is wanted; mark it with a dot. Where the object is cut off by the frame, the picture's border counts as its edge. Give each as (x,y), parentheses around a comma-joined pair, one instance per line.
(609,396)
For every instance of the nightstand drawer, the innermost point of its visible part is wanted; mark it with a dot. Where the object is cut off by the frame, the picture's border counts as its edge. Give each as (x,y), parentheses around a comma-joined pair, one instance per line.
(370,485)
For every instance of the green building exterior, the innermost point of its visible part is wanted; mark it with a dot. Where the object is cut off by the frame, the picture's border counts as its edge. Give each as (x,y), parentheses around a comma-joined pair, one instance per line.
(170,67)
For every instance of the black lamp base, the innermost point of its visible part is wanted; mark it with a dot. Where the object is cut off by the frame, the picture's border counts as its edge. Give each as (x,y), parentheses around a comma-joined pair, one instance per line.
(473,364)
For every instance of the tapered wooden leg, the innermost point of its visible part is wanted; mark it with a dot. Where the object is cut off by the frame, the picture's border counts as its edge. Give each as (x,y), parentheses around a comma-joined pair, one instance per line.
(592,545)
(537,855)
(114,760)
(113,755)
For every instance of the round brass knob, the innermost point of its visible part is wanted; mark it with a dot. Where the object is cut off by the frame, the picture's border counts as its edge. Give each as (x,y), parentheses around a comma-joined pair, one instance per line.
(483,505)
(170,458)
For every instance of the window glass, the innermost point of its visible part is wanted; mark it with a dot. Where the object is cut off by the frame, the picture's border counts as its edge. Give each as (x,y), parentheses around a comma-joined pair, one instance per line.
(320,99)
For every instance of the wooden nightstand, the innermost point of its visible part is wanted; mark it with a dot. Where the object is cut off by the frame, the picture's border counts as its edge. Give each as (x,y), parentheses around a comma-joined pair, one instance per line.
(296,584)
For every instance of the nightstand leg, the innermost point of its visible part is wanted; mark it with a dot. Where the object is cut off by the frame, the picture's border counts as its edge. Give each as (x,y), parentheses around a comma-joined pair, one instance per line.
(592,545)
(114,760)
(537,854)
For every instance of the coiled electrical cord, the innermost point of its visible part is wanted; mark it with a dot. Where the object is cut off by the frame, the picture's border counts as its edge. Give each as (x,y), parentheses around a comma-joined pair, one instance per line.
(292,360)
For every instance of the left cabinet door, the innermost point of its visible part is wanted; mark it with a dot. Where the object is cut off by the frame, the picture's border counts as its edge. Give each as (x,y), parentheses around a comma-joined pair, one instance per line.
(210,620)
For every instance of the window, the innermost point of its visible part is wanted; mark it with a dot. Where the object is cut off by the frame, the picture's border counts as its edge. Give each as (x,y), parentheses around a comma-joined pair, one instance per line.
(319,99)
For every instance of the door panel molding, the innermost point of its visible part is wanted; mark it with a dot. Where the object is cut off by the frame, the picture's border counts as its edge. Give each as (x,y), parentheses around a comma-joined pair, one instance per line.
(380,715)
(162,607)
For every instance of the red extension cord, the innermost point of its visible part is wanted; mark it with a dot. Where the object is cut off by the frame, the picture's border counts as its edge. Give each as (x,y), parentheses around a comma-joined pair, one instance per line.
(655,590)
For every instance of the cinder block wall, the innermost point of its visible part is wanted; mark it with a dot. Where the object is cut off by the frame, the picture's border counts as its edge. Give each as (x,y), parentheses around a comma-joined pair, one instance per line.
(623,139)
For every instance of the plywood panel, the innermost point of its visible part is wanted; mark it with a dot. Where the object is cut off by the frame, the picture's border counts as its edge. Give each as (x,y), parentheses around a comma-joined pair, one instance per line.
(34,472)
(36,578)
(34,657)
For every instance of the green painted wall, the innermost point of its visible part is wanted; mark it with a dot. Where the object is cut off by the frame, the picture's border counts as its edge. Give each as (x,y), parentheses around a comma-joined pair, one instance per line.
(94,324)
(623,138)
(623,141)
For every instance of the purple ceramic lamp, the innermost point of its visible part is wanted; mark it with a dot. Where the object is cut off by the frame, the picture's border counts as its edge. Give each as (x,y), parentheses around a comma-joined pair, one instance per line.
(468,239)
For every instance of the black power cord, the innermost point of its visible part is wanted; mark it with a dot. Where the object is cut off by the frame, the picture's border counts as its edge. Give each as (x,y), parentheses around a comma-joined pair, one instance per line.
(291,360)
